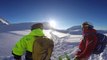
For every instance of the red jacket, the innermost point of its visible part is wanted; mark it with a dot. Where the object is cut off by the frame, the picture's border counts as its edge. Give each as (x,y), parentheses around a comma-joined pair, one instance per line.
(87,44)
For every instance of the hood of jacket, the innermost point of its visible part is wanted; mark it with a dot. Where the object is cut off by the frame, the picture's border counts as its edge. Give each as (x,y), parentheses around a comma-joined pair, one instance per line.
(37,32)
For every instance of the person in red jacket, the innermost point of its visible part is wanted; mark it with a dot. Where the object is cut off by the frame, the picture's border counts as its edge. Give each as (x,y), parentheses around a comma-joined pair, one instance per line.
(88,42)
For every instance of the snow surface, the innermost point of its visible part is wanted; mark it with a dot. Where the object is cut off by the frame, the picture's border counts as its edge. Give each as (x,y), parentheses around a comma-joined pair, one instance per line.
(64,43)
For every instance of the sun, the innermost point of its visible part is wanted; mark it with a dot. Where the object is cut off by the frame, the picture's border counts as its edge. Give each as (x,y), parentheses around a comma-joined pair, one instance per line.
(52,23)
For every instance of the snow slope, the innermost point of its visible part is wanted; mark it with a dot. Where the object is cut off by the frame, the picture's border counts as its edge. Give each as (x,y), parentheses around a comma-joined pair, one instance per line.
(8,39)
(64,43)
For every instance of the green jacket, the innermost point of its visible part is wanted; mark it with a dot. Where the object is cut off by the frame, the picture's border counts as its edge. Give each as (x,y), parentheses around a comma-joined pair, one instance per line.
(26,43)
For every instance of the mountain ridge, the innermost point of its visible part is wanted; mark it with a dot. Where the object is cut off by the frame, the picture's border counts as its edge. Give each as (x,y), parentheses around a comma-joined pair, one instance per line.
(76,30)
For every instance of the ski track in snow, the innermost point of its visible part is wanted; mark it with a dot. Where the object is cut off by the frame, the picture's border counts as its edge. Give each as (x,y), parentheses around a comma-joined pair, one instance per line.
(63,44)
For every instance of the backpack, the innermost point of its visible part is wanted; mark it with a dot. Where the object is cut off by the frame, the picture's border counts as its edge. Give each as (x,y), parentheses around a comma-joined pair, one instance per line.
(42,48)
(101,43)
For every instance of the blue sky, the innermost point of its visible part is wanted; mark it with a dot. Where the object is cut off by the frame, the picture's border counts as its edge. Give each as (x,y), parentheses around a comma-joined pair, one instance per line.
(66,13)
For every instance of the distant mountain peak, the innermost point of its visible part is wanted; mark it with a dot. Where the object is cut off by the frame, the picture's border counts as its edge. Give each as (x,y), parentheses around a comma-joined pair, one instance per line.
(3,21)
(78,30)
(78,27)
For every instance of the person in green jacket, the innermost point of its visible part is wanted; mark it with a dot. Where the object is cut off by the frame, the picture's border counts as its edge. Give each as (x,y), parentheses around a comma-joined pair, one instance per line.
(25,44)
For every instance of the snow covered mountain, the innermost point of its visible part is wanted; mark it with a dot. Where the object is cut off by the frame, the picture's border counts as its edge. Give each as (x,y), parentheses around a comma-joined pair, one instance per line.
(15,27)
(3,21)
(5,26)
(77,30)
(19,26)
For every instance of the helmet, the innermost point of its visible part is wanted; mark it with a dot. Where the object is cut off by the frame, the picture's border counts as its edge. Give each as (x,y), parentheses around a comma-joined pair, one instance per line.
(37,25)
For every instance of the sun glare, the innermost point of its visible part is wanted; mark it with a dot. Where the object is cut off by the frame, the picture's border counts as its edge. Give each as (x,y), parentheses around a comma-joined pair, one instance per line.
(52,23)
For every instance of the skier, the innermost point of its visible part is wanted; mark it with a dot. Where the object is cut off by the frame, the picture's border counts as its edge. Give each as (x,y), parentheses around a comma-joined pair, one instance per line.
(26,45)
(88,43)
